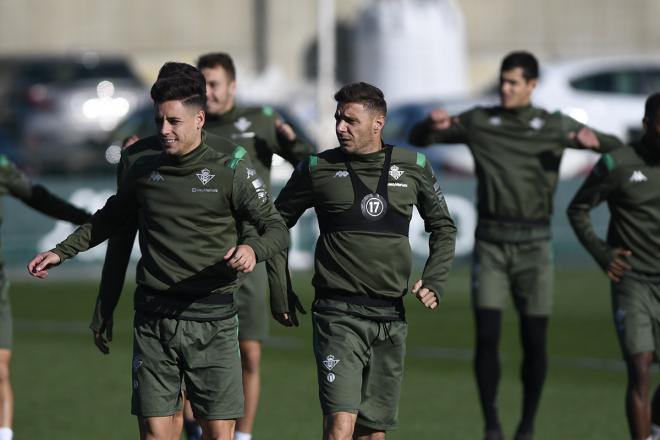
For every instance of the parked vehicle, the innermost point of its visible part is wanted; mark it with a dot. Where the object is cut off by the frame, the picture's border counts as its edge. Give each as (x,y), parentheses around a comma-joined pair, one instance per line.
(55,104)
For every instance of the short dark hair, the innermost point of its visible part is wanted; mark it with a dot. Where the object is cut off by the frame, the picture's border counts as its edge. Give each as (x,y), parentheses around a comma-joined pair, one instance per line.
(525,60)
(215,59)
(176,82)
(173,68)
(371,97)
(652,105)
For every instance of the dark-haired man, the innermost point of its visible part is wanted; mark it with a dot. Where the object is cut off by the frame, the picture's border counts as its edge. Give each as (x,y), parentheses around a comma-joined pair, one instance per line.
(628,179)
(261,131)
(16,184)
(517,149)
(363,193)
(187,200)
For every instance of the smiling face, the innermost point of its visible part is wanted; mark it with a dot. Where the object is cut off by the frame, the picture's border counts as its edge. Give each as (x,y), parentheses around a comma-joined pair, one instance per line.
(220,90)
(179,126)
(515,89)
(358,129)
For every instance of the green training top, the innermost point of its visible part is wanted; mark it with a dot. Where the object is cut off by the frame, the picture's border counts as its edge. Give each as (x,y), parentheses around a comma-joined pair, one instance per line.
(186,209)
(364,262)
(254,129)
(15,183)
(517,154)
(628,179)
(120,245)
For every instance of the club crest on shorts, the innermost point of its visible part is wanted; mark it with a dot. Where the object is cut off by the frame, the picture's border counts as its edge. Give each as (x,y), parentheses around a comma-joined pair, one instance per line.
(137,363)
(330,362)
(373,207)
(331,377)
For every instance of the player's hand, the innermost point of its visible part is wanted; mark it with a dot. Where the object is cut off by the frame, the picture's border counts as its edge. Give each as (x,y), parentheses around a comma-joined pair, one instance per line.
(100,340)
(586,138)
(439,119)
(130,141)
(425,295)
(241,258)
(39,265)
(618,266)
(285,130)
(290,319)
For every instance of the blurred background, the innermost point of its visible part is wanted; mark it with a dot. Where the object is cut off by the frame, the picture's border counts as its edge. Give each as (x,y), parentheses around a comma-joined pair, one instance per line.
(75,75)
(74,81)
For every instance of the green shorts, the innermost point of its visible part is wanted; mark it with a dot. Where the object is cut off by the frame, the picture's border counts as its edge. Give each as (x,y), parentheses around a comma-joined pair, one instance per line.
(523,270)
(6,326)
(252,305)
(360,366)
(636,312)
(202,354)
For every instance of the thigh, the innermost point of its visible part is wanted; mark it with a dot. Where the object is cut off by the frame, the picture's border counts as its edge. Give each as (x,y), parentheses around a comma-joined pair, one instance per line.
(633,316)
(532,278)
(341,353)
(252,305)
(490,278)
(156,373)
(212,368)
(6,323)
(382,378)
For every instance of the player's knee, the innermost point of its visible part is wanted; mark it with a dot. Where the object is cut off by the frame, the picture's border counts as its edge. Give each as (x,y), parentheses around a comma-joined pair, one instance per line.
(639,370)
(251,358)
(4,373)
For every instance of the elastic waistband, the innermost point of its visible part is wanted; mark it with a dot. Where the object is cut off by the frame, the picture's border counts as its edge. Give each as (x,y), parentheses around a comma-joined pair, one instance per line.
(360,300)
(211,298)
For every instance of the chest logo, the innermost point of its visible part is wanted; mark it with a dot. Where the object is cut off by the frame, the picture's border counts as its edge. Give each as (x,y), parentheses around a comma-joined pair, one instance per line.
(537,123)
(205,176)
(242,124)
(638,176)
(156,177)
(495,120)
(395,172)
(329,362)
(341,174)
(250,173)
(373,207)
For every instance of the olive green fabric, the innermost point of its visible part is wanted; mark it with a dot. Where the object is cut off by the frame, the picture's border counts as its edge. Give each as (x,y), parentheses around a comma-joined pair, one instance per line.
(523,271)
(636,312)
(517,153)
(360,366)
(628,180)
(13,182)
(187,208)
(202,355)
(251,302)
(364,262)
(120,244)
(254,128)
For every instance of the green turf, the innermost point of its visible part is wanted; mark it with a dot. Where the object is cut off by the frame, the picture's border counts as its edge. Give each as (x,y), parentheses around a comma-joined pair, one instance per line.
(65,389)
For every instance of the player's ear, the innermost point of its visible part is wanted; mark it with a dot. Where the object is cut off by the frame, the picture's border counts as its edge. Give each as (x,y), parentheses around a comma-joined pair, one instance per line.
(378,123)
(200,118)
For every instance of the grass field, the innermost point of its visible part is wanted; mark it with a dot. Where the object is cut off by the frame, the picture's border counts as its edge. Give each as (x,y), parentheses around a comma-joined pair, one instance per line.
(65,389)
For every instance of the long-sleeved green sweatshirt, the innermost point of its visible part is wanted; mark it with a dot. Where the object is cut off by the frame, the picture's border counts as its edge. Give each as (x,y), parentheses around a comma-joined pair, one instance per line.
(254,128)
(15,183)
(120,244)
(186,208)
(517,153)
(628,179)
(366,260)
